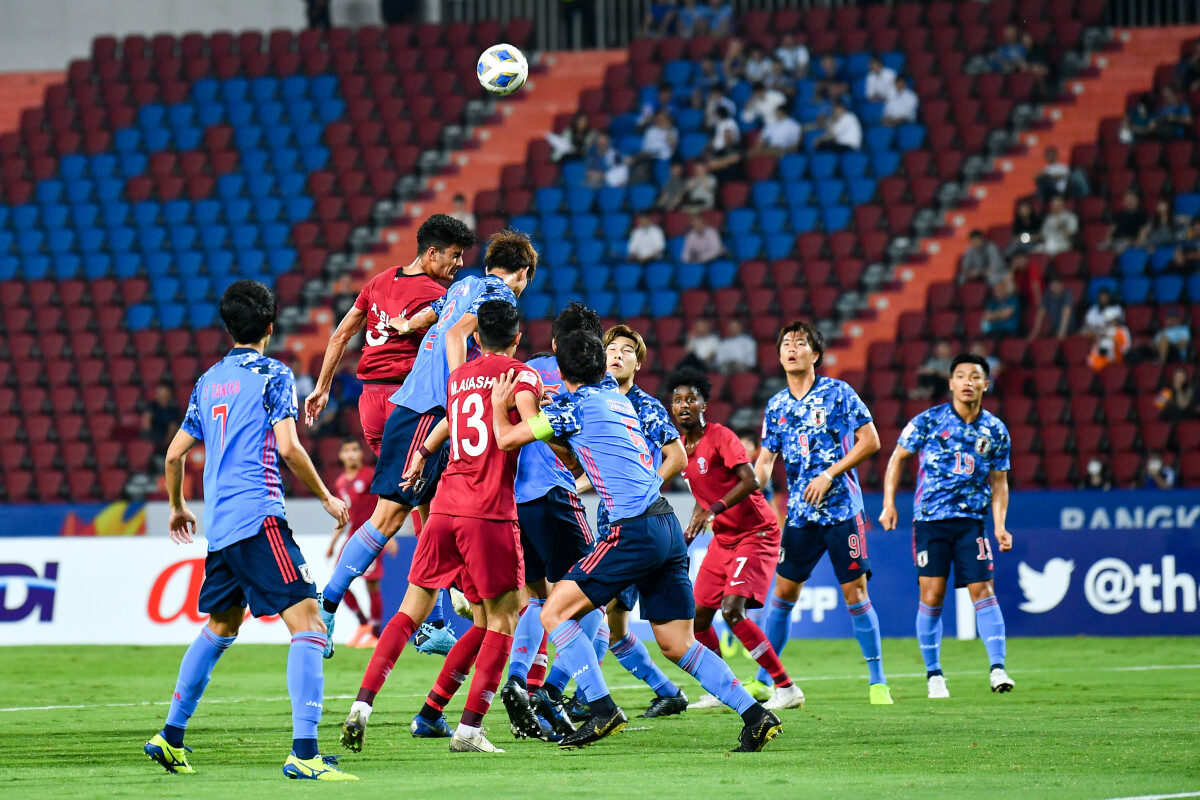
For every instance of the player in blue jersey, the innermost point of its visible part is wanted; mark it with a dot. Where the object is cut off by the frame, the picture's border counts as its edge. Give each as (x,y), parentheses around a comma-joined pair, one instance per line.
(509,263)
(243,409)
(823,430)
(963,457)
(645,547)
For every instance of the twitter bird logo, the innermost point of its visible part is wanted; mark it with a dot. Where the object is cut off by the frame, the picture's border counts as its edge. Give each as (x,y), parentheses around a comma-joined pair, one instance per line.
(1046,589)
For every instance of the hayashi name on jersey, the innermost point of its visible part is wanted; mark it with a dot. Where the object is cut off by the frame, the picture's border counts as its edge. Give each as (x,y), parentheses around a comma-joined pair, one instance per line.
(475,382)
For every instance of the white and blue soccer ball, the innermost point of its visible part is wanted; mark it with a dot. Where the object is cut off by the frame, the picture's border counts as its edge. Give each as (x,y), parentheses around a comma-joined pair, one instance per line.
(502,69)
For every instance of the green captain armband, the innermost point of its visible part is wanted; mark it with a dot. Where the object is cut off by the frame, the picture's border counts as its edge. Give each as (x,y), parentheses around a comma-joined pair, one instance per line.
(540,425)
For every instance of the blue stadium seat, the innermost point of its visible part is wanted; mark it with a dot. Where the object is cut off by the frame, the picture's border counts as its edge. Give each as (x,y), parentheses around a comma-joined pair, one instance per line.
(237,210)
(139,317)
(30,241)
(630,144)
(557,252)
(202,315)
(66,266)
(164,289)
(171,315)
(1193,289)
(35,267)
(554,226)
(854,164)
(870,113)
(689,276)
(293,87)
(60,240)
(633,304)
(220,265)
(857,64)
(772,220)
(91,240)
(748,247)
(213,237)
(303,109)
(209,114)
(306,134)
(296,209)
(566,277)
(798,193)
(291,185)
(910,136)
(127,140)
(689,120)
(574,173)
(158,265)
(80,191)
(878,138)
(275,235)
(115,214)
(1133,262)
(25,217)
(740,221)
(829,192)
(1168,288)
(610,199)
(127,265)
(10,266)
(97,266)
(156,139)
(765,194)
(176,212)
(1161,259)
(721,273)
(54,216)
(146,213)
(860,191)
(534,305)
(642,196)
(603,303)
(780,245)
(1187,205)
(658,275)
(103,165)
(678,73)
(526,224)
(283,159)
(804,219)
(585,226)
(806,90)
(663,303)
(692,145)
(49,191)
(1095,285)
(206,212)
(188,264)
(254,161)
(151,239)
(627,277)
(72,166)
(589,253)
(121,240)
(6,241)
(580,199)
(549,200)
(132,164)
(1135,290)
(835,218)
(270,116)
(616,225)
(823,165)
(623,125)
(893,61)
(230,186)
(793,167)
(250,262)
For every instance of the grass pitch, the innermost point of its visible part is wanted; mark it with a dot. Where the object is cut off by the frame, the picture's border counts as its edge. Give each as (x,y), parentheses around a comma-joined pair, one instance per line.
(1090,718)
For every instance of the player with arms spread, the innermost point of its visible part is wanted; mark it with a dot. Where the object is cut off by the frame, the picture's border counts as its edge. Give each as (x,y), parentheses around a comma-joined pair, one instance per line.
(645,547)
(244,411)
(963,453)
(823,430)
(509,263)
(737,568)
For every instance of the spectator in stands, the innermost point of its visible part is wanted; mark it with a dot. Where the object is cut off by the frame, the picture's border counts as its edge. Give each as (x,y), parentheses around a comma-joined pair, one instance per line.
(647,242)
(716,101)
(1173,342)
(161,418)
(660,18)
(780,136)
(761,105)
(718,18)
(843,133)
(1188,71)
(1059,228)
(1111,346)
(1102,314)
(1158,474)
(574,140)
(1027,226)
(703,343)
(1096,476)
(700,191)
(663,100)
(671,194)
(727,136)
(702,242)
(737,352)
(1173,117)
(1187,255)
(982,260)
(1164,230)
(1130,224)
(1002,312)
(758,64)
(304,382)
(792,56)
(1177,400)
(833,84)
(880,82)
(1037,62)
(1055,311)
(1027,279)
(658,142)
(1052,181)
(902,106)
(933,375)
(461,213)
(1009,56)
(317,12)
(1138,122)
(346,386)
(778,78)
(984,351)
(605,164)
(733,64)
(710,77)
(689,19)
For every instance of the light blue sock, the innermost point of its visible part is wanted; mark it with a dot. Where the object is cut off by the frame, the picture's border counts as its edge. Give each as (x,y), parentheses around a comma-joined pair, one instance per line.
(989,620)
(573,651)
(866,630)
(443,602)
(194,671)
(632,654)
(526,640)
(778,627)
(306,688)
(590,625)
(602,640)
(355,559)
(557,677)
(929,637)
(716,677)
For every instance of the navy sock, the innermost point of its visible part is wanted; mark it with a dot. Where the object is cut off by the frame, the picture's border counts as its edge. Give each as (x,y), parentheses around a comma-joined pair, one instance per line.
(304,748)
(174,735)
(437,616)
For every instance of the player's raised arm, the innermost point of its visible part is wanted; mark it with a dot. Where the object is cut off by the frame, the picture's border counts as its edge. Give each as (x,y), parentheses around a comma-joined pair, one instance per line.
(456,340)
(1000,509)
(533,427)
(420,321)
(298,461)
(182,522)
(866,444)
(891,483)
(764,465)
(351,324)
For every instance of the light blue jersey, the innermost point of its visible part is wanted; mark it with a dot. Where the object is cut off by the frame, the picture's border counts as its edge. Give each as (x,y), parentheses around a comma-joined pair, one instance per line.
(813,433)
(955,459)
(425,387)
(658,428)
(233,411)
(538,469)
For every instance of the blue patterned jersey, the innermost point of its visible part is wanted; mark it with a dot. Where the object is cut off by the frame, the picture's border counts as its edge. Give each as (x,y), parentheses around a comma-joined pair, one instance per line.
(606,436)
(538,469)
(425,386)
(814,433)
(657,426)
(233,410)
(955,460)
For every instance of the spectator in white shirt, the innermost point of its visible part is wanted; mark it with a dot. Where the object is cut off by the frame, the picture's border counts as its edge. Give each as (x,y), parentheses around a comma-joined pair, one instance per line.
(844,131)
(1103,313)
(702,342)
(659,140)
(712,106)
(792,55)
(1054,176)
(700,190)
(762,104)
(461,213)
(902,106)
(781,135)
(737,352)
(881,82)
(726,134)
(1059,228)
(702,243)
(647,242)
(757,65)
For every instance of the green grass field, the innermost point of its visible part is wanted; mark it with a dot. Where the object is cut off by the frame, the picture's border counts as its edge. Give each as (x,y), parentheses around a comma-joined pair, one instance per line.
(1090,718)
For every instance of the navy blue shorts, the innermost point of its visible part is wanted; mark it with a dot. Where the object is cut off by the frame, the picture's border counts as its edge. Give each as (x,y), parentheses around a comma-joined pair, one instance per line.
(403,433)
(846,543)
(628,598)
(960,541)
(648,553)
(554,534)
(267,572)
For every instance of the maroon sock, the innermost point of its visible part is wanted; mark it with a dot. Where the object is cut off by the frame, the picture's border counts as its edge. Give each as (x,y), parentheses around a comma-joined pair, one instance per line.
(351,602)
(708,638)
(493,655)
(761,651)
(395,635)
(537,670)
(376,610)
(459,661)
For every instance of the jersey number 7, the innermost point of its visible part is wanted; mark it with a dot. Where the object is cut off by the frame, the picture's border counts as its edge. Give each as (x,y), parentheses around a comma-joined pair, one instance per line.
(221,412)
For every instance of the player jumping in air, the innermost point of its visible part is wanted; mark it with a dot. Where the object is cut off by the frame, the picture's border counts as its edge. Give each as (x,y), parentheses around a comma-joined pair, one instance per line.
(824,431)
(244,411)
(737,569)
(645,547)
(509,263)
(393,308)
(963,452)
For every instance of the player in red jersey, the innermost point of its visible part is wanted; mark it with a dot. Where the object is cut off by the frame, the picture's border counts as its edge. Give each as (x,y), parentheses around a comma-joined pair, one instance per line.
(471,538)
(354,487)
(394,308)
(737,569)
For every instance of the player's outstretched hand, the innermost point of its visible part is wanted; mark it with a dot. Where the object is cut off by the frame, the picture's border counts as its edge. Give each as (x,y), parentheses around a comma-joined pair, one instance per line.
(314,404)
(814,493)
(336,508)
(1005,540)
(182,524)
(415,468)
(701,516)
(887,518)
(502,391)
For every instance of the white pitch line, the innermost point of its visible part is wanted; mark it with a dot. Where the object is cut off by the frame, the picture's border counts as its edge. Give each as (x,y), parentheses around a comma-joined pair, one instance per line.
(1157,796)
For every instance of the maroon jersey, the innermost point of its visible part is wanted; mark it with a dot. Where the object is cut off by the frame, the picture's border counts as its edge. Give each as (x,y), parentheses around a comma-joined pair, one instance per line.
(386,355)
(478,481)
(710,474)
(356,494)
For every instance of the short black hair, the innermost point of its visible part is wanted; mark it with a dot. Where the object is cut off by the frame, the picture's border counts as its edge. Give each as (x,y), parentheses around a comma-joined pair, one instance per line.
(815,340)
(976,234)
(248,308)
(971,358)
(498,324)
(576,317)
(581,357)
(350,440)
(692,377)
(441,231)
(510,251)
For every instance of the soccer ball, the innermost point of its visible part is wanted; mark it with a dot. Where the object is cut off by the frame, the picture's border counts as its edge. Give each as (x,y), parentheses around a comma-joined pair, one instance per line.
(502,69)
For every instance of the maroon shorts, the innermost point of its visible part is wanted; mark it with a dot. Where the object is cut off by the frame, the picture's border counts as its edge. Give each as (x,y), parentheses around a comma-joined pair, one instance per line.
(486,551)
(373,410)
(375,571)
(742,567)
